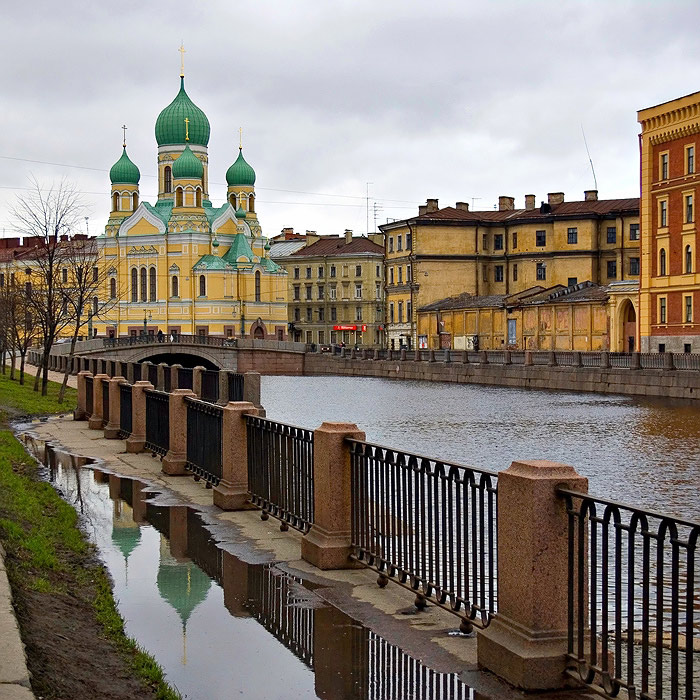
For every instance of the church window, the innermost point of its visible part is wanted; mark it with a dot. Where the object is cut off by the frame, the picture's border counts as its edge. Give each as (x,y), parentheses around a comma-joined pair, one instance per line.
(112,288)
(95,274)
(134,284)
(115,201)
(64,275)
(251,203)
(168,180)
(199,197)
(135,200)
(175,285)
(152,283)
(232,199)
(662,262)
(178,197)
(202,286)
(257,285)
(94,306)
(144,285)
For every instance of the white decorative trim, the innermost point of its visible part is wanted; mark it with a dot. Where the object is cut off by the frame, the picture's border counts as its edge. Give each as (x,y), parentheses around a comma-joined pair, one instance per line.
(141,213)
(226,215)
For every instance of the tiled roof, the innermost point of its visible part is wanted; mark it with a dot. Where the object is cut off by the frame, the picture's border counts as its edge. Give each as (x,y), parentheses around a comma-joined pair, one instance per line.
(465,301)
(601,207)
(338,246)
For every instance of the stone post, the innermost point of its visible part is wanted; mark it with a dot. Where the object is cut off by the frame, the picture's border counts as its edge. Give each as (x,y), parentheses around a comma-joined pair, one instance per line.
(175,377)
(130,372)
(465,357)
(446,357)
(402,355)
(223,387)
(668,361)
(635,362)
(327,544)
(578,360)
(375,355)
(352,353)
(527,361)
(95,421)
(112,427)
(232,491)
(136,441)
(174,461)
(161,370)
(605,360)
(552,358)
(483,357)
(79,413)
(251,390)
(431,356)
(416,355)
(342,352)
(526,642)
(197,379)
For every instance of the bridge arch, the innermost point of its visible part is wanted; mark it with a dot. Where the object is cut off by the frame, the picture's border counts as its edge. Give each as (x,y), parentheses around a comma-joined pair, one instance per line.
(185,356)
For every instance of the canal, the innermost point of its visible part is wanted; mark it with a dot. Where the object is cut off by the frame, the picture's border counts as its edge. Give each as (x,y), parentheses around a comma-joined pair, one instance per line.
(644,452)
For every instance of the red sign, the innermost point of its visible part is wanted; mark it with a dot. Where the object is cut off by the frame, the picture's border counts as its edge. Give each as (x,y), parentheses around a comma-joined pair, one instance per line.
(344,328)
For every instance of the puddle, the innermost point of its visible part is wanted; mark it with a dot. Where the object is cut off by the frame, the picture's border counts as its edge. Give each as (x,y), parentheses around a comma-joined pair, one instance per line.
(221,627)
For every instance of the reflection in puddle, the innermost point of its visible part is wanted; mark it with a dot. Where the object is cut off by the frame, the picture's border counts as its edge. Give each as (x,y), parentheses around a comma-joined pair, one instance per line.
(277,639)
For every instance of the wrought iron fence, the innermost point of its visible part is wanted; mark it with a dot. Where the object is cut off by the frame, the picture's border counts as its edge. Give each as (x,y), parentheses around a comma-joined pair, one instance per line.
(105,401)
(619,359)
(280,471)
(686,360)
(152,374)
(184,378)
(651,360)
(88,395)
(429,525)
(590,359)
(633,600)
(235,386)
(157,421)
(210,385)
(124,410)
(204,422)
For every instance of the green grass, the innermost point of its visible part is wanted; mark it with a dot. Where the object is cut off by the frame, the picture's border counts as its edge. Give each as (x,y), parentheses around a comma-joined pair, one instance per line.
(46,551)
(20,399)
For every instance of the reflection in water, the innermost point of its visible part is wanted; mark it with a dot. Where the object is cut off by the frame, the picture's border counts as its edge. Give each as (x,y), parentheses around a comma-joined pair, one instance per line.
(278,640)
(631,449)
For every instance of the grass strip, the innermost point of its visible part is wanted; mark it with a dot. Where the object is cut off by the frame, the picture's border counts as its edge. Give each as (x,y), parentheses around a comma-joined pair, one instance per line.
(46,551)
(20,400)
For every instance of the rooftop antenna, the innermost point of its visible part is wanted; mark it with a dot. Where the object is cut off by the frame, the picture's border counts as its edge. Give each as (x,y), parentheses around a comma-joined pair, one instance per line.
(367,202)
(87,225)
(377,209)
(590,160)
(473,200)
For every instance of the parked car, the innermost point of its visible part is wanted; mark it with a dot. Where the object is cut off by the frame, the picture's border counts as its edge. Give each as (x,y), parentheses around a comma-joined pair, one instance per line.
(326,348)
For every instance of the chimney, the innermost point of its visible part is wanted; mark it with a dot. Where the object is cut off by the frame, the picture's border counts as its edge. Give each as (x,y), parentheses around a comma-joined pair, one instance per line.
(590,195)
(506,203)
(555,198)
(529,201)
(422,209)
(432,205)
(288,233)
(463,206)
(348,236)
(311,238)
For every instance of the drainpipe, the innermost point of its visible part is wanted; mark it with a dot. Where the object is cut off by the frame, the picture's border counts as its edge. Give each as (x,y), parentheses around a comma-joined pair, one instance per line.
(411,257)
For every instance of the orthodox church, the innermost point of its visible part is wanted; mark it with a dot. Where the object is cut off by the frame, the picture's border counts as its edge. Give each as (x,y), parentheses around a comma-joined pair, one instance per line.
(180,264)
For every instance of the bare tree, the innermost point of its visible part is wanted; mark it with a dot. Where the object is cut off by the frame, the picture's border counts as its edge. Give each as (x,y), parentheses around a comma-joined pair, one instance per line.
(47,215)
(22,325)
(88,290)
(7,293)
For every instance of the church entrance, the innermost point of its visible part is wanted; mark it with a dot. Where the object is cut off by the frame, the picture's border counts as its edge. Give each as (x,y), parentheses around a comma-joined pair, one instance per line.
(259,333)
(628,322)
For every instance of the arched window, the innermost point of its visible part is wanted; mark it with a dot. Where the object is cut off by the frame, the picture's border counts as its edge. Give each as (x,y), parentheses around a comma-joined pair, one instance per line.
(178,197)
(662,262)
(134,284)
(144,285)
(94,306)
(688,259)
(152,283)
(257,285)
(115,201)
(112,288)
(167,180)
(251,203)
(199,197)
(232,199)
(135,201)
(175,285)
(202,286)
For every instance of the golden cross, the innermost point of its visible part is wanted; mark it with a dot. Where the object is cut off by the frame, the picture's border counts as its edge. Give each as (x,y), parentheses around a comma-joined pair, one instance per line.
(187,129)
(240,138)
(182,60)
(124,130)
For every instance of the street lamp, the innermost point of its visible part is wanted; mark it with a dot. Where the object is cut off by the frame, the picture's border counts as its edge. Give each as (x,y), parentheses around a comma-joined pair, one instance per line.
(147,316)
(89,324)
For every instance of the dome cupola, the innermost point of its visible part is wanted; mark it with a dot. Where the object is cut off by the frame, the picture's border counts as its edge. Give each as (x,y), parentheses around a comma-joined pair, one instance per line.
(187,166)
(170,125)
(240,173)
(124,172)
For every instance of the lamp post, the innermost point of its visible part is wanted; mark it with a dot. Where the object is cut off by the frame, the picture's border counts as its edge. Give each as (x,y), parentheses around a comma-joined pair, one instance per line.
(147,316)
(89,324)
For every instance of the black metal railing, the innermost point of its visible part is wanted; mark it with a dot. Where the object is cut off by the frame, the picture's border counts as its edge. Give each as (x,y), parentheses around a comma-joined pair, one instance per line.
(105,401)
(280,471)
(124,410)
(428,525)
(157,421)
(235,386)
(88,395)
(185,378)
(633,600)
(152,375)
(204,422)
(167,380)
(210,385)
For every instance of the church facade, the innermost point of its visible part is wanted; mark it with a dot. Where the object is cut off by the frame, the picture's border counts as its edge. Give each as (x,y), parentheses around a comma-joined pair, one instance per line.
(181,265)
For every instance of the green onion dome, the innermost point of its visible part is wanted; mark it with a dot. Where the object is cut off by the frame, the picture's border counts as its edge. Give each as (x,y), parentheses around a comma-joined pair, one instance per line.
(170,125)
(240,173)
(240,213)
(187,166)
(124,172)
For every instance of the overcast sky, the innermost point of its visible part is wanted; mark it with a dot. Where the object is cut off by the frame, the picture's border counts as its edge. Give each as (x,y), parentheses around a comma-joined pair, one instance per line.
(455,100)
